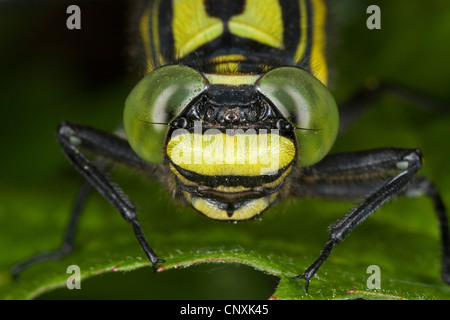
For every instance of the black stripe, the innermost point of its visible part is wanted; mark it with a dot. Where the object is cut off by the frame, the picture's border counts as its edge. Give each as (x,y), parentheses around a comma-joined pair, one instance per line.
(290,11)
(229,181)
(306,59)
(166,40)
(150,34)
(224,9)
(257,54)
(230,196)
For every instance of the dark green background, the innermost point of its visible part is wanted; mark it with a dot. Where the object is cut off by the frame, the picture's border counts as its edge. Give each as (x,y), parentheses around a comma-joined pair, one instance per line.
(49,73)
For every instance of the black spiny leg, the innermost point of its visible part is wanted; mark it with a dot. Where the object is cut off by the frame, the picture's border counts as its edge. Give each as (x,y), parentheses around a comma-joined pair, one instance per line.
(422,186)
(74,138)
(69,238)
(356,175)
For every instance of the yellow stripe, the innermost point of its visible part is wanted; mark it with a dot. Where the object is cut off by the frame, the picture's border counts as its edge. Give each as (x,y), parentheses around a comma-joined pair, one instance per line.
(227,64)
(278,181)
(317,59)
(143,26)
(155,33)
(261,21)
(228,189)
(318,63)
(232,79)
(192,27)
(228,57)
(304,35)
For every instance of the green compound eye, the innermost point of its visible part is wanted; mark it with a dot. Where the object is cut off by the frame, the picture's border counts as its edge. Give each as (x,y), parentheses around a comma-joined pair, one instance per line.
(155,100)
(307,104)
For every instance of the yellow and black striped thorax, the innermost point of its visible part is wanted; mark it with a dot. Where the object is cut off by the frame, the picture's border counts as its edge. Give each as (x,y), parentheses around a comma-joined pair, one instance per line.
(241,86)
(235,36)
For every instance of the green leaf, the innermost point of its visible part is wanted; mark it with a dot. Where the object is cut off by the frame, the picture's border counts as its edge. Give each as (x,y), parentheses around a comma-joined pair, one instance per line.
(204,258)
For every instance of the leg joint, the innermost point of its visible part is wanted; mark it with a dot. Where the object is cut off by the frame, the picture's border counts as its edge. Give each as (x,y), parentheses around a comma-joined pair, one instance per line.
(412,159)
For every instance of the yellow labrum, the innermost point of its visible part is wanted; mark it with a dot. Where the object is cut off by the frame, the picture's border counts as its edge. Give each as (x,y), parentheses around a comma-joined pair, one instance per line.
(220,154)
(247,211)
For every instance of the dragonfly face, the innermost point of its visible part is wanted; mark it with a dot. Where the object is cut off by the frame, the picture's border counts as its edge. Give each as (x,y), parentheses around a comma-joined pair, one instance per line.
(239,119)
(233,114)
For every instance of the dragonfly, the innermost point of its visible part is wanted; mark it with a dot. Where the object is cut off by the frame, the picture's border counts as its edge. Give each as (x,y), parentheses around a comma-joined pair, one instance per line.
(234,115)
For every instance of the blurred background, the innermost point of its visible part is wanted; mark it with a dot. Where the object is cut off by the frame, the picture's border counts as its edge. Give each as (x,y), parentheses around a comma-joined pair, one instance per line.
(50,73)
